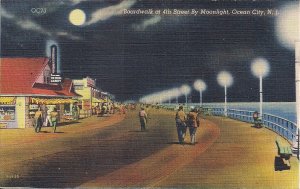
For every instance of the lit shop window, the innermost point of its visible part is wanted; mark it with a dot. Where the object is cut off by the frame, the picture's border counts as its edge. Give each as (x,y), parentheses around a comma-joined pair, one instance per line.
(7,113)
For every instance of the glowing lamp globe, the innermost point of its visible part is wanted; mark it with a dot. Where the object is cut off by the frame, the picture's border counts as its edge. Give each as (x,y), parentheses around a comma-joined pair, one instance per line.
(287,24)
(185,89)
(200,85)
(225,79)
(260,67)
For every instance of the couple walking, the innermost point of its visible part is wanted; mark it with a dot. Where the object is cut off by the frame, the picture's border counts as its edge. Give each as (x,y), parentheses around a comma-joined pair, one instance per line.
(190,121)
(53,118)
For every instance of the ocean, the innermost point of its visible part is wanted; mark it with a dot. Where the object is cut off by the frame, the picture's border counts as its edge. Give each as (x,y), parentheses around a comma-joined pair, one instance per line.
(285,110)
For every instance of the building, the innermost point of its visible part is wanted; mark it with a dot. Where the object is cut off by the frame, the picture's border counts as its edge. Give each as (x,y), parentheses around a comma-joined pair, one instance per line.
(28,83)
(91,96)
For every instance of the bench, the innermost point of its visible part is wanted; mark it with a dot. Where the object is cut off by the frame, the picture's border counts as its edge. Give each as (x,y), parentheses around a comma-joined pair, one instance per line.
(284,152)
(257,123)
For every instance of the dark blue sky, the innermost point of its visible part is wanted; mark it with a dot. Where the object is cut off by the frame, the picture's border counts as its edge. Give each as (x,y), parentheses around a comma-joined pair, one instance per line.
(131,61)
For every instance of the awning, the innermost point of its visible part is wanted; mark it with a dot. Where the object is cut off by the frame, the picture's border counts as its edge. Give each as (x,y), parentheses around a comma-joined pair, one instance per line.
(52,101)
(8,100)
(96,100)
(107,100)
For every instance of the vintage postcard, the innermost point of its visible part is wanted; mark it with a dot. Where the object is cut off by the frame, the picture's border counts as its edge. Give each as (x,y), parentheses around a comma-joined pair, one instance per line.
(150,93)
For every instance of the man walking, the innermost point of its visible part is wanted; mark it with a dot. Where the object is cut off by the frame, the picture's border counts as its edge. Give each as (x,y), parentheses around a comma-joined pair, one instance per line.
(143,119)
(54,118)
(180,119)
(193,122)
(75,112)
(38,120)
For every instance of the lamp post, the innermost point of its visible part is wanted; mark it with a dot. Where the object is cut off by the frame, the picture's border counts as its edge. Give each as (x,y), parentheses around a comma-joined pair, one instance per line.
(288,34)
(225,80)
(260,68)
(185,90)
(200,86)
(296,142)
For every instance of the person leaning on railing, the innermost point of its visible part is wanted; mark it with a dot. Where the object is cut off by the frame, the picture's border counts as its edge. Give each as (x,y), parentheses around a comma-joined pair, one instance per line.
(257,120)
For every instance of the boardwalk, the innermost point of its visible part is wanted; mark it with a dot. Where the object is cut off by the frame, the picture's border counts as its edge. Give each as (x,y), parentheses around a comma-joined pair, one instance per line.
(112,152)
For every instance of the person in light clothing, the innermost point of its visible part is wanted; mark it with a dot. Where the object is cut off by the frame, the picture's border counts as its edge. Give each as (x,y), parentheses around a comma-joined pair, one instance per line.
(193,122)
(143,119)
(180,119)
(54,119)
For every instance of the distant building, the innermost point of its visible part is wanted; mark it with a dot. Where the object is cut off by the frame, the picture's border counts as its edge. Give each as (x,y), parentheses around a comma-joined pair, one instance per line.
(91,95)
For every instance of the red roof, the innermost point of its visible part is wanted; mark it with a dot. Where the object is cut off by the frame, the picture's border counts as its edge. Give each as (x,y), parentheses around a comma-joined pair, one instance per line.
(18,76)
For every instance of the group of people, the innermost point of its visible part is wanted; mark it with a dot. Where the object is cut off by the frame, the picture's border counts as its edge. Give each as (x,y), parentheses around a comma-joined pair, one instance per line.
(184,121)
(44,117)
(104,108)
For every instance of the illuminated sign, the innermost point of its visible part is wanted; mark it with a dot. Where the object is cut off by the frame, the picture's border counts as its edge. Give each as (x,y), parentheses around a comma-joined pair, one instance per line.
(91,82)
(55,78)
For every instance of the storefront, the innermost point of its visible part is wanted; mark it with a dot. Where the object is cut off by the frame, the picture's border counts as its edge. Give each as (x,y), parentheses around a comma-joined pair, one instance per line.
(18,112)
(30,83)
(63,106)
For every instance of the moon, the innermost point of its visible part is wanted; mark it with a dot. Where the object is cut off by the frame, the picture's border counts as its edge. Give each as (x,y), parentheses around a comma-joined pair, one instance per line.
(77,17)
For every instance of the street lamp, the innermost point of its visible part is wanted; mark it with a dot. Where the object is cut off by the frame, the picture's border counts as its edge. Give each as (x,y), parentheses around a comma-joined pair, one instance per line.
(225,80)
(288,34)
(200,86)
(185,90)
(260,68)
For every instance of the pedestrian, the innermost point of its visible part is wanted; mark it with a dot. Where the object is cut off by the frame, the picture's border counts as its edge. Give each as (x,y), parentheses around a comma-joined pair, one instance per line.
(143,119)
(48,118)
(193,122)
(44,110)
(54,119)
(123,109)
(98,111)
(104,109)
(75,111)
(180,119)
(38,120)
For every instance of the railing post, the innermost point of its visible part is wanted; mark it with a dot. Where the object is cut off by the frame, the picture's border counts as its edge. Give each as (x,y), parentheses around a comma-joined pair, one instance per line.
(298,144)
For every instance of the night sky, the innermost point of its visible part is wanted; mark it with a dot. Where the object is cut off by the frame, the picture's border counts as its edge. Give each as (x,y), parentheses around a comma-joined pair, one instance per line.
(135,55)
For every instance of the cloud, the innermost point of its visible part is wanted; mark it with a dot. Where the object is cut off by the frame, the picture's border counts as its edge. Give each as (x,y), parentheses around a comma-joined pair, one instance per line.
(151,21)
(68,35)
(5,14)
(30,25)
(108,12)
(75,2)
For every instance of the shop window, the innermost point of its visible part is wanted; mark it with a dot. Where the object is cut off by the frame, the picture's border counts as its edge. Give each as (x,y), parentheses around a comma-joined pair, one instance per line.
(7,113)
(67,107)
